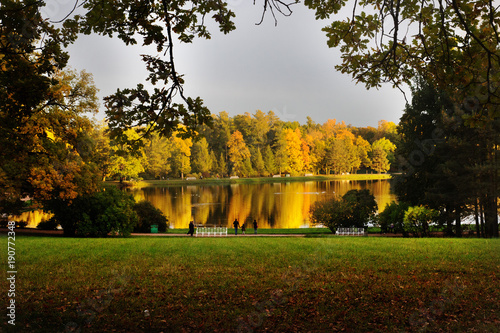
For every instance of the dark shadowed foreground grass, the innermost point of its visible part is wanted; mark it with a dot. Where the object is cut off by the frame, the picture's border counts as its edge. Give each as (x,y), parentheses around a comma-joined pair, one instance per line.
(249,284)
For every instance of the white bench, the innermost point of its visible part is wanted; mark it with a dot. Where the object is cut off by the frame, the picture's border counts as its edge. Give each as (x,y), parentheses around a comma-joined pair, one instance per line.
(211,231)
(350,232)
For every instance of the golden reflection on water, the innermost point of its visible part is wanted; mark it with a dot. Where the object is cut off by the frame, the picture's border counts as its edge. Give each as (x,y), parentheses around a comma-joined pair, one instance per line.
(276,205)
(33,218)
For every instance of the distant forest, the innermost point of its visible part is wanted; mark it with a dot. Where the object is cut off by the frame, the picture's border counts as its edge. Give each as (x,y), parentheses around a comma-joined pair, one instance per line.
(252,145)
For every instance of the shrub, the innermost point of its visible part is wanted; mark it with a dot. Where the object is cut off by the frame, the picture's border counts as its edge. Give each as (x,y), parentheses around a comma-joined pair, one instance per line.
(50,224)
(354,209)
(363,207)
(149,215)
(417,219)
(333,213)
(96,215)
(393,214)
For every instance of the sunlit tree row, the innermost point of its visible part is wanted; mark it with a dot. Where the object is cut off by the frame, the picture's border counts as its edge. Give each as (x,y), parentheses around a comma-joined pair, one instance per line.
(255,145)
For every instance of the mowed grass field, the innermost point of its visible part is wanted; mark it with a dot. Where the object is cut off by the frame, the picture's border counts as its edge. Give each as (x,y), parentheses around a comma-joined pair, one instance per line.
(254,284)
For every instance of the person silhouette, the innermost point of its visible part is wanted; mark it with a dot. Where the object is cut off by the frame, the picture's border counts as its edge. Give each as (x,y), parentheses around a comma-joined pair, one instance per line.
(255,226)
(236,225)
(191,229)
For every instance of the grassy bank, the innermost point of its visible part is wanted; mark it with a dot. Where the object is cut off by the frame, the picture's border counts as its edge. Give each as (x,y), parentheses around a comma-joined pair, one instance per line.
(256,180)
(146,284)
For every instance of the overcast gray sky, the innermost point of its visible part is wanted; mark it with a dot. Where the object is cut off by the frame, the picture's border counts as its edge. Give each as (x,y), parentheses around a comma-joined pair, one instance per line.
(286,68)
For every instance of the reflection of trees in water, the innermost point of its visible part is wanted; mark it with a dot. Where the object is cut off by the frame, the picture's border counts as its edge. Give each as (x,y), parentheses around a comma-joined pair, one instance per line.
(276,205)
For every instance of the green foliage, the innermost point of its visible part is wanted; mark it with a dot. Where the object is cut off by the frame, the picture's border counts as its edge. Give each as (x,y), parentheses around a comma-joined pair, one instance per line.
(201,159)
(355,209)
(380,163)
(106,212)
(46,150)
(393,215)
(157,24)
(333,214)
(50,224)
(417,220)
(445,164)
(157,153)
(392,41)
(125,163)
(148,215)
(222,166)
(258,162)
(363,206)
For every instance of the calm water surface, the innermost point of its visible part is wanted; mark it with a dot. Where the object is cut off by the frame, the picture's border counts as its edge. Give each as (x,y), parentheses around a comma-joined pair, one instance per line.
(277,205)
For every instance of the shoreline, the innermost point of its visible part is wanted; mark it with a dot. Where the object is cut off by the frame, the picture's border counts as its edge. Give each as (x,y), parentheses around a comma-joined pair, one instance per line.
(253,180)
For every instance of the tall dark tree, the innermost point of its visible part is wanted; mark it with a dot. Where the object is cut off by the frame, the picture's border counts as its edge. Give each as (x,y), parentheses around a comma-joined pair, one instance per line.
(439,157)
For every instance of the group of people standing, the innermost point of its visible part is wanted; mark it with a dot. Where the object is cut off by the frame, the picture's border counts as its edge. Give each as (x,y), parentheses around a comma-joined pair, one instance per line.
(236,226)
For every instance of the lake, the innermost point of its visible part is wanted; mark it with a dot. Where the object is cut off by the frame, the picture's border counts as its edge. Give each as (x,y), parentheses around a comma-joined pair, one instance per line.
(273,205)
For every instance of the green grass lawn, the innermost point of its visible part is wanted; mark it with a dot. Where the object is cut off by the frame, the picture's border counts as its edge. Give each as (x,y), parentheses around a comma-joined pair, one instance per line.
(248,284)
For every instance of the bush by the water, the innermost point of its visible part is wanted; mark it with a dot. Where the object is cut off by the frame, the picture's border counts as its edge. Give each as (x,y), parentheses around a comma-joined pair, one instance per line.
(149,215)
(417,220)
(106,212)
(50,224)
(391,219)
(355,209)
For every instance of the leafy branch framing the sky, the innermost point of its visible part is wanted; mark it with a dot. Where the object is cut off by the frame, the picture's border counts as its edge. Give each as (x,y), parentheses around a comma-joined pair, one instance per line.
(453,44)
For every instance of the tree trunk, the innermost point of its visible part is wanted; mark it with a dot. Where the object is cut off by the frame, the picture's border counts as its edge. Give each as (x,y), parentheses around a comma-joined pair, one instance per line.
(491,216)
(476,218)
(481,219)
(449,221)
(458,221)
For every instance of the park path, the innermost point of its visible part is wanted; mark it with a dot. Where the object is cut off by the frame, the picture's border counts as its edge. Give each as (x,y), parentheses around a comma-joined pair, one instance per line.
(32,231)
(228,235)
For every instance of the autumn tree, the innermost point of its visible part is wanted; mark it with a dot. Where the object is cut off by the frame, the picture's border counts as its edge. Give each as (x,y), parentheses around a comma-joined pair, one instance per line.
(342,156)
(180,149)
(201,160)
(363,149)
(49,153)
(125,163)
(380,162)
(156,153)
(101,149)
(238,152)
(280,153)
(387,146)
(293,150)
